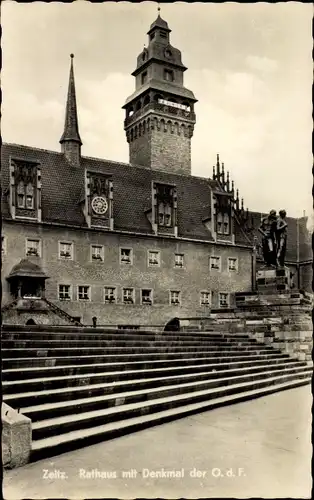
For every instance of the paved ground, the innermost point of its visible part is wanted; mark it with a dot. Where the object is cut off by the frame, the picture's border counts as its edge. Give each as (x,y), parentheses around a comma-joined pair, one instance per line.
(261,448)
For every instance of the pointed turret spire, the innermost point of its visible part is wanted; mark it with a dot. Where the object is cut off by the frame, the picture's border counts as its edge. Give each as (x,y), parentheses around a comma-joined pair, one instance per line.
(223,174)
(218,167)
(70,141)
(228,182)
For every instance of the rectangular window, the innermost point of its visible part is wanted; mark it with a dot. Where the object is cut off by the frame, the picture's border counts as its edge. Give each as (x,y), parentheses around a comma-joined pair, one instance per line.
(126,256)
(153,258)
(128,295)
(147,297)
(65,250)
(33,247)
(168,75)
(232,264)
(83,292)
(226,223)
(65,292)
(97,253)
(144,77)
(219,224)
(205,298)
(110,295)
(223,299)
(179,260)
(3,245)
(223,224)
(215,263)
(20,195)
(175,297)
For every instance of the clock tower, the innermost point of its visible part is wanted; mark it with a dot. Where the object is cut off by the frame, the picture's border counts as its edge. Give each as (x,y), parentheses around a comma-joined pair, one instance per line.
(160,116)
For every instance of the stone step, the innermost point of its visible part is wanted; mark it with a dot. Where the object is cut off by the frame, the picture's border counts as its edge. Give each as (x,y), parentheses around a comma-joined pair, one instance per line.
(44,344)
(76,369)
(132,391)
(9,387)
(110,336)
(42,361)
(62,425)
(63,443)
(122,351)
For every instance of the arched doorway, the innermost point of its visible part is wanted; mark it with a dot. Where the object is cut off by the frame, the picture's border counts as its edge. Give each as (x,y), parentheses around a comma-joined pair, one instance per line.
(173,325)
(30,322)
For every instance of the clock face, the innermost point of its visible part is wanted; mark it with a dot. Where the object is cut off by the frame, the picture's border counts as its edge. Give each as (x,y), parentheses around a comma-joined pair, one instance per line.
(99,205)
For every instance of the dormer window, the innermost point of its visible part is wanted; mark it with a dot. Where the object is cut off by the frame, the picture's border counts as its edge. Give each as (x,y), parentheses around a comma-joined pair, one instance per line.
(165,208)
(25,189)
(168,75)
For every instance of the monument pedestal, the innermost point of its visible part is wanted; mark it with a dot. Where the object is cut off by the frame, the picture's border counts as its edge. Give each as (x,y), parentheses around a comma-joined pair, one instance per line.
(274,314)
(269,280)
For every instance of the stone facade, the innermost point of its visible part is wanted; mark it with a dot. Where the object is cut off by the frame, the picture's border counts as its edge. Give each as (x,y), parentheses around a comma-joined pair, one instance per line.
(193,278)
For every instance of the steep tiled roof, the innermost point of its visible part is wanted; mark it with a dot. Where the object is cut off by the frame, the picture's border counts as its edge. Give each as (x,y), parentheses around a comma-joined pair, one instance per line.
(63,190)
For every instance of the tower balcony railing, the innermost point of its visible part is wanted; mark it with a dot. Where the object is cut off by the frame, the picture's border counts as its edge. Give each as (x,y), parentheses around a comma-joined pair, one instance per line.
(164,108)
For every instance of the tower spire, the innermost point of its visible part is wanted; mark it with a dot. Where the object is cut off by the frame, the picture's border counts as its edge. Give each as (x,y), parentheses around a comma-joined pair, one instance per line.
(71,141)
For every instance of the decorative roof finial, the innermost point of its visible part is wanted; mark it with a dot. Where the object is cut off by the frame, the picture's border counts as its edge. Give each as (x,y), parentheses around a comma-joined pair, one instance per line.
(242,206)
(158,8)
(214,173)
(72,56)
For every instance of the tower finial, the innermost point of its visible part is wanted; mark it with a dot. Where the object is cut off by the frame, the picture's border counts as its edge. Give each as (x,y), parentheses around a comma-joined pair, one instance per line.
(158,8)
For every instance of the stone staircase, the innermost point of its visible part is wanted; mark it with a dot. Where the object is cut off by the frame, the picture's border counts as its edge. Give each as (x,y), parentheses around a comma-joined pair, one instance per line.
(83,385)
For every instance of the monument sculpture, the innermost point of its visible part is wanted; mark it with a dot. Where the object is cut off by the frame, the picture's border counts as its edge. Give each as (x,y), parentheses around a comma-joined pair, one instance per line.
(281,238)
(274,231)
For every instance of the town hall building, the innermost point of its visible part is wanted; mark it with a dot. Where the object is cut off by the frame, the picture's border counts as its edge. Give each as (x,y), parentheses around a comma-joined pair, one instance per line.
(130,244)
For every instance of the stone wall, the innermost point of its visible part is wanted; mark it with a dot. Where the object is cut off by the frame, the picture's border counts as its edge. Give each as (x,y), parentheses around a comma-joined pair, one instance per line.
(191,280)
(16,437)
(165,147)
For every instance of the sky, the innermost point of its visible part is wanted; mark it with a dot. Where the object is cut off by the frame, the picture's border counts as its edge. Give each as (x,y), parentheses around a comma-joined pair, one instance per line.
(249,66)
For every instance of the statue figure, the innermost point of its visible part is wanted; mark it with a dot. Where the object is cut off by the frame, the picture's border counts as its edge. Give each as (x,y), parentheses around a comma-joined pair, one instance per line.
(268,229)
(281,232)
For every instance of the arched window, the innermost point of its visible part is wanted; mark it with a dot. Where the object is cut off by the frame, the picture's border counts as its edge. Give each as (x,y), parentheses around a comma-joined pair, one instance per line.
(21,195)
(146,100)
(29,196)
